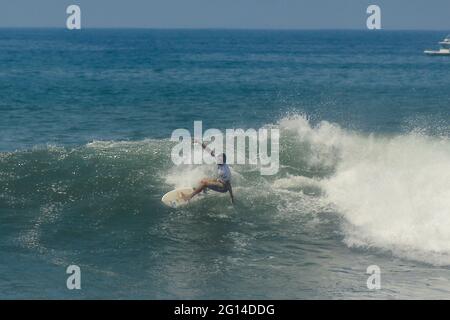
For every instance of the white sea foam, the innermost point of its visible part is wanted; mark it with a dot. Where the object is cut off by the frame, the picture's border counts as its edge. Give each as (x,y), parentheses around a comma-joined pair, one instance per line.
(393,192)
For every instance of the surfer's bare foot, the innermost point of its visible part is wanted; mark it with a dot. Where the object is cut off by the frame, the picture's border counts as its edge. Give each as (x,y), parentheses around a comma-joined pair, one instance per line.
(185,197)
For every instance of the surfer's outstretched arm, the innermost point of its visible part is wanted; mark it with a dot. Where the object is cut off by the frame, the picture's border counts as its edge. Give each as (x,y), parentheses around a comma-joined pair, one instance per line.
(204,146)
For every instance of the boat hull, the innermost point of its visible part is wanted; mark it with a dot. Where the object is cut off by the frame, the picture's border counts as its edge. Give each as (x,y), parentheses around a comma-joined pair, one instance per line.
(438,53)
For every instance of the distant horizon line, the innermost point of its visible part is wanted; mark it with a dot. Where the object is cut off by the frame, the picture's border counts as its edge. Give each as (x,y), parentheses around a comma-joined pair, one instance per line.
(223,28)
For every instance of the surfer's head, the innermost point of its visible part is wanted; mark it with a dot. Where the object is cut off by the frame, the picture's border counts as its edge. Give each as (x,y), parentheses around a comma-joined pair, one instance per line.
(221,158)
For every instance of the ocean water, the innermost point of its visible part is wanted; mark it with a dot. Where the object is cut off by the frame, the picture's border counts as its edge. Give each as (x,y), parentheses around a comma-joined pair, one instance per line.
(85,126)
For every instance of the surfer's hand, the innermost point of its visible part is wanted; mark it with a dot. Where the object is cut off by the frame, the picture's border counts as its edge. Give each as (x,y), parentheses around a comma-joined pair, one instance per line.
(196,141)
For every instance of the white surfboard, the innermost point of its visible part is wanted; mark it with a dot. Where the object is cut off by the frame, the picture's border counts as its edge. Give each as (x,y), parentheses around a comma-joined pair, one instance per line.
(174,199)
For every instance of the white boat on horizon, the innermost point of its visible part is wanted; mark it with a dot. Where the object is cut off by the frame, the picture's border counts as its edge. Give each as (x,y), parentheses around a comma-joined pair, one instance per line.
(445,42)
(443,51)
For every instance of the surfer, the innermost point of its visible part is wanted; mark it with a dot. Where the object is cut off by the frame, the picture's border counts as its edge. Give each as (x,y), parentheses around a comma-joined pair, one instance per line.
(221,184)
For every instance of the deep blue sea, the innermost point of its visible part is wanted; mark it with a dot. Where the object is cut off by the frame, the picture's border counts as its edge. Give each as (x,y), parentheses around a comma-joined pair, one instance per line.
(85,126)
